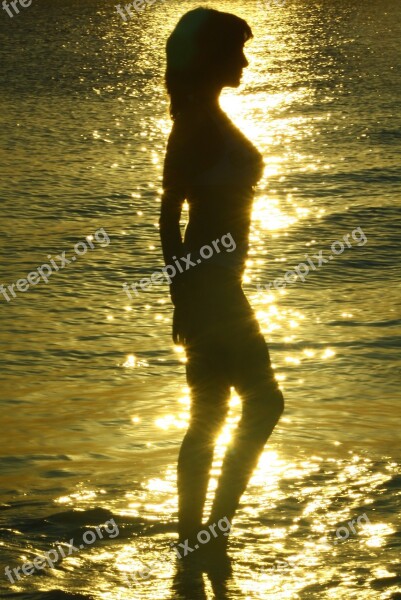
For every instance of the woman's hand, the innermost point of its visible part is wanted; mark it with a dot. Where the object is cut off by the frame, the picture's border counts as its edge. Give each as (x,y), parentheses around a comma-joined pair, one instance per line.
(181,313)
(180,322)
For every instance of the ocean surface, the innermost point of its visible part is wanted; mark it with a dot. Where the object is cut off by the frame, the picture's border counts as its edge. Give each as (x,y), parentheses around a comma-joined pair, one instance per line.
(93,397)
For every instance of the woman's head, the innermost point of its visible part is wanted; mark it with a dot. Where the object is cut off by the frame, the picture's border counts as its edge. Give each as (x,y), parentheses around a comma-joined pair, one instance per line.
(204,54)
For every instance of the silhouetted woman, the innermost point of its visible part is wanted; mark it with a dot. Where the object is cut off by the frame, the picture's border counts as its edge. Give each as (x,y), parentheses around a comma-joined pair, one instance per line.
(213,166)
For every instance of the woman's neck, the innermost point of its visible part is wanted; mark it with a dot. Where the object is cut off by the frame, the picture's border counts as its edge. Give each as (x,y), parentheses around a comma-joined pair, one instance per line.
(210,99)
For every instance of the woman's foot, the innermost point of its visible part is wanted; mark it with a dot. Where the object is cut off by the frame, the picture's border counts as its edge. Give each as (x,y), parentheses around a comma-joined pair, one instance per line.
(216,562)
(214,558)
(210,557)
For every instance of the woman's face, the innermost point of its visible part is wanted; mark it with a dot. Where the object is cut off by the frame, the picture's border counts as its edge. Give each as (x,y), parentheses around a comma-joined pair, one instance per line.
(233,68)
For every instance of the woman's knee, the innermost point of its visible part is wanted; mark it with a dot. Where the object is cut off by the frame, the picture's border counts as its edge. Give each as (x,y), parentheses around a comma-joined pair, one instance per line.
(273,398)
(266,398)
(278,401)
(263,411)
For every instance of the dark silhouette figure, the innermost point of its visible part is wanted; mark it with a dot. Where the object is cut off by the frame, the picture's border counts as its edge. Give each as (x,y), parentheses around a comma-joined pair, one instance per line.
(213,166)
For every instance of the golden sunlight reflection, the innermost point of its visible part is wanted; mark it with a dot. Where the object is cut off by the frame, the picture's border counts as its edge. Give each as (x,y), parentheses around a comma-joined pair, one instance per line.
(131,362)
(159,485)
(169,421)
(268,215)
(79,496)
(328,353)
(233,417)
(272,318)
(270,466)
(258,106)
(281,573)
(375,534)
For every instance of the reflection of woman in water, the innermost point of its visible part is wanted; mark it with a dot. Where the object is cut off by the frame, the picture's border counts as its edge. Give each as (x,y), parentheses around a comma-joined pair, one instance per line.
(214,167)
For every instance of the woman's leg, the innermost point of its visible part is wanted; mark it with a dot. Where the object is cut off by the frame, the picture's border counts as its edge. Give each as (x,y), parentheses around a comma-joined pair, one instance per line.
(262,406)
(209,406)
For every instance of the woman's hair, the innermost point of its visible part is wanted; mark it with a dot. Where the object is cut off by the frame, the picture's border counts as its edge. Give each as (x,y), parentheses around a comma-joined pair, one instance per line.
(198,50)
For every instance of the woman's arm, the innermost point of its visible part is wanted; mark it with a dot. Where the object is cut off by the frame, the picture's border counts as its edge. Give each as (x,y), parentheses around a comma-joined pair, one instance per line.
(174,194)
(170,232)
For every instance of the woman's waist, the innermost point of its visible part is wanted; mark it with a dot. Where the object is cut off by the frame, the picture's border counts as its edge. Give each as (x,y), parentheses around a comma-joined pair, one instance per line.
(220,244)
(207,256)
(214,289)
(214,297)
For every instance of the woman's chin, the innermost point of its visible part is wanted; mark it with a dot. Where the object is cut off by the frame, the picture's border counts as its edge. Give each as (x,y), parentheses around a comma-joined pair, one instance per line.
(234,82)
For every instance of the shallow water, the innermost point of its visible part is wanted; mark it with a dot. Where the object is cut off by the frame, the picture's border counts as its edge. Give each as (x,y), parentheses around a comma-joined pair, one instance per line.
(94,403)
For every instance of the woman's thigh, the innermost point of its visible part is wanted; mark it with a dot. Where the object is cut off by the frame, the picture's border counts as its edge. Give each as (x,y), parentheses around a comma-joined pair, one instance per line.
(209,387)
